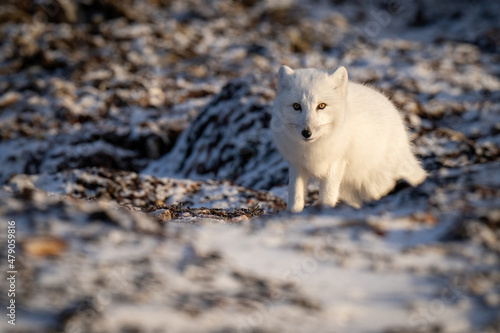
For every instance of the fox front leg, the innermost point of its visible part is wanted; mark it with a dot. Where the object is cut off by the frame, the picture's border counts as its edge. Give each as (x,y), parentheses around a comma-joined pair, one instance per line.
(329,187)
(296,189)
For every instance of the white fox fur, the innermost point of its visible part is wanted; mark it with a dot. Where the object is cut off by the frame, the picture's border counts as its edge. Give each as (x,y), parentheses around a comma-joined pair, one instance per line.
(358,146)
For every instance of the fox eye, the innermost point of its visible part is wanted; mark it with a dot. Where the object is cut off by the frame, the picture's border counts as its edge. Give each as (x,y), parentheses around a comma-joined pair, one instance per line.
(297,107)
(321,106)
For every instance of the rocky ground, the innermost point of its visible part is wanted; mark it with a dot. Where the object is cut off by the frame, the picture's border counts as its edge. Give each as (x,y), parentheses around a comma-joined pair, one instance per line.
(137,161)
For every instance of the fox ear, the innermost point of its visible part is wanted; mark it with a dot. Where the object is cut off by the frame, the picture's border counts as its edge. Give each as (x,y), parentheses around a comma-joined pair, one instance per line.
(284,75)
(340,78)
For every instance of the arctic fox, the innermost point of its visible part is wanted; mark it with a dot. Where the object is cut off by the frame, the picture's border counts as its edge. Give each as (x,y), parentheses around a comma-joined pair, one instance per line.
(346,135)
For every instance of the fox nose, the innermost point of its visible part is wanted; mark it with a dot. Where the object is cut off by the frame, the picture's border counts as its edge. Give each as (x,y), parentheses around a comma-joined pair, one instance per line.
(306,133)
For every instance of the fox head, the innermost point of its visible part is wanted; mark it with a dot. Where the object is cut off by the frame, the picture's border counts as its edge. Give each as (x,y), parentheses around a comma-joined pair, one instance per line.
(310,103)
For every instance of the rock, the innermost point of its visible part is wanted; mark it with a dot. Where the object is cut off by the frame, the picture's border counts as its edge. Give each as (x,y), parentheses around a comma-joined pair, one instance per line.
(9,98)
(425,218)
(492,299)
(43,246)
(162,215)
(69,9)
(239,219)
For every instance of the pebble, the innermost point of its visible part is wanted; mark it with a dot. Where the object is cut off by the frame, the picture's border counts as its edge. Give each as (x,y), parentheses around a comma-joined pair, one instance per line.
(9,98)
